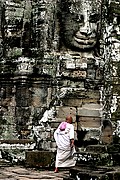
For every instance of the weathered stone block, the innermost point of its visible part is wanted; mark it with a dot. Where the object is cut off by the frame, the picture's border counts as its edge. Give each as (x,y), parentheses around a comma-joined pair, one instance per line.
(113,175)
(80,63)
(92,133)
(39,158)
(45,145)
(36,101)
(63,111)
(90,109)
(78,74)
(90,100)
(7,131)
(86,173)
(56,122)
(92,158)
(17,141)
(73,102)
(53,145)
(116,157)
(22,111)
(91,73)
(70,64)
(89,113)
(93,94)
(9,120)
(89,122)
(113,148)
(73,84)
(96,148)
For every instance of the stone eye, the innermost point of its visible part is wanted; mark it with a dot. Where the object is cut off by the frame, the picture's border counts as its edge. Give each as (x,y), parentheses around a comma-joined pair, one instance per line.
(79,18)
(94,18)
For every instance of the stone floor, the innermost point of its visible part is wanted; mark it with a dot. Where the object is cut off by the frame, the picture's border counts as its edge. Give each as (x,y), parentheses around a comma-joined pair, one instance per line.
(22,173)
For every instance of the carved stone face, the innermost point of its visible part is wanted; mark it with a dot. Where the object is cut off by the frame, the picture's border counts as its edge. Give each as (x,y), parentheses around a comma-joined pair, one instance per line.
(114,30)
(80,21)
(114,19)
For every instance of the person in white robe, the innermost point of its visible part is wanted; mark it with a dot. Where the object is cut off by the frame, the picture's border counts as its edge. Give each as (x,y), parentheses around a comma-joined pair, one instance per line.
(64,137)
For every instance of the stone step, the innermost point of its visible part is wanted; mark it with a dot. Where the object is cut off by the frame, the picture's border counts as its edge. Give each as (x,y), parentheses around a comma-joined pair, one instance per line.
(113,148)
(97,148)
(91,158)
(114,175)
(99,155)
(4,163)
(87,173)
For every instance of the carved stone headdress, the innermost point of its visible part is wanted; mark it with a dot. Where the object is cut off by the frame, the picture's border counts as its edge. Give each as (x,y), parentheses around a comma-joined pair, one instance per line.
(76,5)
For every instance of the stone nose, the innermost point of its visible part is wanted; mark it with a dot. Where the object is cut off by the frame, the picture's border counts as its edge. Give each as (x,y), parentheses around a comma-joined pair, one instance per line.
(85,29)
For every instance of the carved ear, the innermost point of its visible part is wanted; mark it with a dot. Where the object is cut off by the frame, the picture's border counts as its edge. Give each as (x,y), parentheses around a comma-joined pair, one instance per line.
(107,123)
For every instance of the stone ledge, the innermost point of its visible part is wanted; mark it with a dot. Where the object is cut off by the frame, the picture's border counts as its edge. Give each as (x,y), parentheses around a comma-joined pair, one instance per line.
(97,148)
(5,146)
(17,141)
(89,172)
(17,144)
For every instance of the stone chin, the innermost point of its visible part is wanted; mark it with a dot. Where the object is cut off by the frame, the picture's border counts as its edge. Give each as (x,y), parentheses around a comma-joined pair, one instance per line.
(84,43)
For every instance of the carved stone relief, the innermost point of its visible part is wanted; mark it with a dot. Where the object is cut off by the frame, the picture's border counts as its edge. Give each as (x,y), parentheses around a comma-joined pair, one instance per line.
(80,24)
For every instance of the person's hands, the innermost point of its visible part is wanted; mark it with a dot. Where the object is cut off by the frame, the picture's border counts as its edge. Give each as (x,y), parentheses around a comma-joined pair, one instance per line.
(72,143)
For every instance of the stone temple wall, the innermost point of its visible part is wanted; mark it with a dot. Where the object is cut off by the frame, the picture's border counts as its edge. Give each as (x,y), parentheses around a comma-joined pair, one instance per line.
(58,58)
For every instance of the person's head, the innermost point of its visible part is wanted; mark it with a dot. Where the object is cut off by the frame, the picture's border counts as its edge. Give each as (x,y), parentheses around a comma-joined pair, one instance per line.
(69,119)
(80,20)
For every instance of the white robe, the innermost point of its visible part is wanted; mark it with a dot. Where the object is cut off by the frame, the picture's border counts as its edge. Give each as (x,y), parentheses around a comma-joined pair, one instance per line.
(64,157)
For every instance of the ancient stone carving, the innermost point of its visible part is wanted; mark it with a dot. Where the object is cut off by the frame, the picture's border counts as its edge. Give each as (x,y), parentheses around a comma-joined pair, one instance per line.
(111,37)
(80,22)
(106,132)
(114,30)
(17,27)
(25,65)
